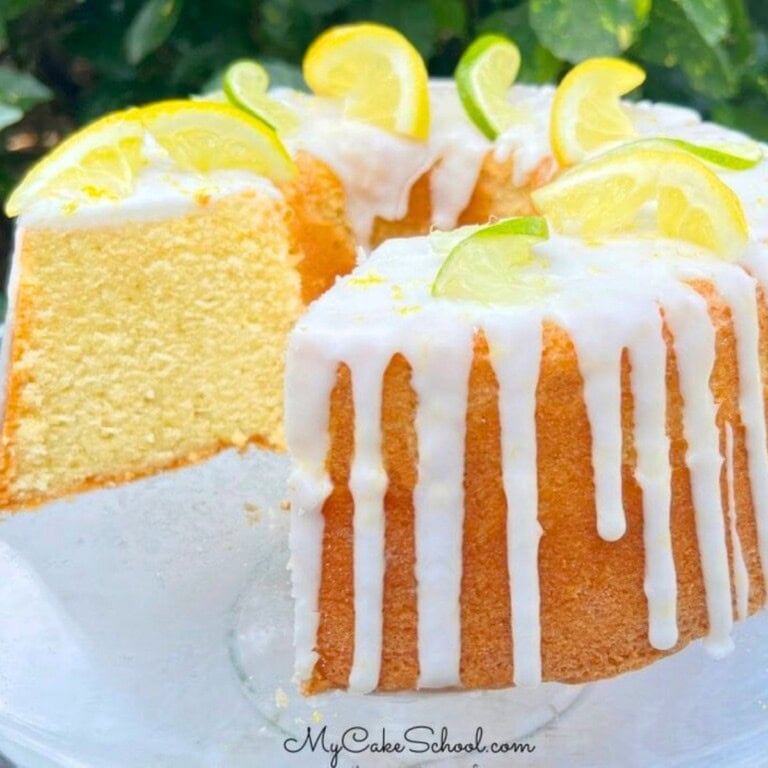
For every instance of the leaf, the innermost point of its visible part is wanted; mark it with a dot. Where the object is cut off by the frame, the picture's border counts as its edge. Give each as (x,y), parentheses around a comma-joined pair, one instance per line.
(450,17)
(741,42)
(9,115)
(751,120)
(416,20)
(21,90)
(711,18)
(672,40)
(537,64)
(150,28)
(577,30)
(12,9)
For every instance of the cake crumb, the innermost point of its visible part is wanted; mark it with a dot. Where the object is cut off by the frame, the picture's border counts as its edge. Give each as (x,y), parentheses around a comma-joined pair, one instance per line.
(281,698)
(285,505)
(252,513)
(317,716)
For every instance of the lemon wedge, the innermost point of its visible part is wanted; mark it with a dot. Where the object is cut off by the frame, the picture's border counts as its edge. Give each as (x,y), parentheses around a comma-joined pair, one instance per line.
(102,159)
(483,77)
(492,265)
(99,161)
(603,197)
(245,85)
(379,76)
(205,136)
(586,113)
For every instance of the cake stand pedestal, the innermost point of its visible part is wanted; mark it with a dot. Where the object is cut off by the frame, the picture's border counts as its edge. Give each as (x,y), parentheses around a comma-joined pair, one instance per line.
(260,645)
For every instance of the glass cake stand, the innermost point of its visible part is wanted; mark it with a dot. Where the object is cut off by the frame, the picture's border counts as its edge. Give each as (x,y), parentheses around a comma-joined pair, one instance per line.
(150,625)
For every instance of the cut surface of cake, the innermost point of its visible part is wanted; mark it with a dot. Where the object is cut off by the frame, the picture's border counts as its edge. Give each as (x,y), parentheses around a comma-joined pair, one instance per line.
(147,331)
(560,486)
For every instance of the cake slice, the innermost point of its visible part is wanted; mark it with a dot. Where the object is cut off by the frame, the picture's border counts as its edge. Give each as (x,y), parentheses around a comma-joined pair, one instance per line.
(146,326)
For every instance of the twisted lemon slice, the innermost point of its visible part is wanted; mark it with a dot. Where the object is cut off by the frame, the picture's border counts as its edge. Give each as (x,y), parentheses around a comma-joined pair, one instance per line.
(245,85)
(603,197)
(102,159)
(483,77)
(586,113)
(489,265)
(376,72)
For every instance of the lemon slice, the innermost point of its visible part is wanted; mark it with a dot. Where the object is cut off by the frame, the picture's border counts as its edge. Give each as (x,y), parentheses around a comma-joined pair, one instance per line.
(483,77)
(586,113)
(489,266)
(101,160)
(376,72)
(604,196)
(735,156)
(205,136)
(245,86)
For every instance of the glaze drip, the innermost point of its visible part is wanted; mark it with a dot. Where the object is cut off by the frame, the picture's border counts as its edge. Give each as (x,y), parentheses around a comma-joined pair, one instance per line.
(612,299)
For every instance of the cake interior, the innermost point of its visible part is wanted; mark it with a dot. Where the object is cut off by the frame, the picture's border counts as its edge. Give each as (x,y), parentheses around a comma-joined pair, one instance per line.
(147,344)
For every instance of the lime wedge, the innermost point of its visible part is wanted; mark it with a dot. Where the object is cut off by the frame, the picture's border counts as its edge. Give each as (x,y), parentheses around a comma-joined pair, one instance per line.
(483,77)
(489,266)
(735,156)
(245,86)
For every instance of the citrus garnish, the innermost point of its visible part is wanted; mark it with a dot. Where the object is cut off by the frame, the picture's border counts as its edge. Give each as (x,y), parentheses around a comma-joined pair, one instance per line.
(488,266)
(206,136)
(483,77)
(99,161)
(735,156)
(245,85)
(102,159)
(586,113)
(376,72)
(603,196)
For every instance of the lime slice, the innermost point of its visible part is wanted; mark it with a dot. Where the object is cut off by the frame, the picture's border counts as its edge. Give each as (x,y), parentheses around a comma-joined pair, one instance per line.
(483,77)
(245,85)
(586,111)
(489,266)
(735,156)
(604,196)
(204,136)
(377,74)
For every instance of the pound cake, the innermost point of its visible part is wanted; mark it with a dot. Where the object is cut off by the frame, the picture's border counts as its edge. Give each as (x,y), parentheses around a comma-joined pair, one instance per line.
(163,254)
(141,333)
(536,451)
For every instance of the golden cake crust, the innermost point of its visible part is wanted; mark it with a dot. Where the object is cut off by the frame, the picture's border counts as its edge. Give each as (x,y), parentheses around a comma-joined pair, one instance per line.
(594,615)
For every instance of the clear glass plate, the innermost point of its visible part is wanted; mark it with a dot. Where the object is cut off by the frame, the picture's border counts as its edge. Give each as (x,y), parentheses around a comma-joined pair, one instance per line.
(149,625)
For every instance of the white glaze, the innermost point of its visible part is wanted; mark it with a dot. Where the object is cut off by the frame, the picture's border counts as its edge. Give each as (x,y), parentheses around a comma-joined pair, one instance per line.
(515,352)
(308,487)
(648,381)
(160,191)
(694,343)
(443,343)
(608,297)
(368,484)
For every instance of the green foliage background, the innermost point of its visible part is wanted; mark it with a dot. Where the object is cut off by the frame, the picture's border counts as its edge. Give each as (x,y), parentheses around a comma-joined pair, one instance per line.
(64,62)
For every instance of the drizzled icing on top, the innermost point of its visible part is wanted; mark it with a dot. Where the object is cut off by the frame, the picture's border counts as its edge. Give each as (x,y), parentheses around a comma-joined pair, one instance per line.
(378,169)
(160,190)
(621,286)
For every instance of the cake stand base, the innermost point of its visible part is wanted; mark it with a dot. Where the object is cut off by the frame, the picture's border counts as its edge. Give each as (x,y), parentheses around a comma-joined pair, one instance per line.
(426,724)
